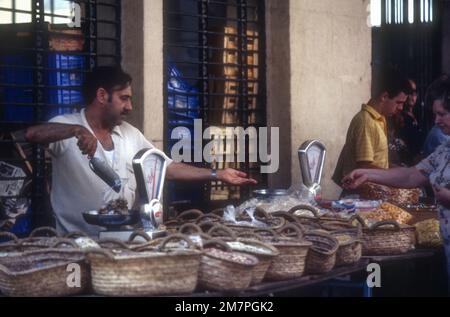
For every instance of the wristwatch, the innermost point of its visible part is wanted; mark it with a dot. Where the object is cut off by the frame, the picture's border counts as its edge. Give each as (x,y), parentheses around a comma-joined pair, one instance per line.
(214,174)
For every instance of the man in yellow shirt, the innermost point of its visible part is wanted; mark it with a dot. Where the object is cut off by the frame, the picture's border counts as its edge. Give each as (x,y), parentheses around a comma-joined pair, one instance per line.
(366,145)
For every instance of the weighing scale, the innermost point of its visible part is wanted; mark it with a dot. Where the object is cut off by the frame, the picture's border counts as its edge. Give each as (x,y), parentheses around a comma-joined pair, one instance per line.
(149,167)
(311,155)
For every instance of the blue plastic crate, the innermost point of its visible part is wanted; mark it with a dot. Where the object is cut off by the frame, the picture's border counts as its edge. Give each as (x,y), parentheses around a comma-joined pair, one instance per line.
(22,227)
(58,96)
(55,78)
(18,76)
(183,98)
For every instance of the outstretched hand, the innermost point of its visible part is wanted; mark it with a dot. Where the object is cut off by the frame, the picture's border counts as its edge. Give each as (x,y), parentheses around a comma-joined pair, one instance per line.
(235,177)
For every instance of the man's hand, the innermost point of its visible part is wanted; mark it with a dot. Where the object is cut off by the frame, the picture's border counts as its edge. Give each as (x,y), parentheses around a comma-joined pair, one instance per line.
(234,177)
(442,195)
(355,179)
(87,142)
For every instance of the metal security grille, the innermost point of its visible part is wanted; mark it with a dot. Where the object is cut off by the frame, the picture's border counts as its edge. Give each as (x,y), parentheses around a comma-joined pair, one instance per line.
(47,47)
(214,61)
(409,37)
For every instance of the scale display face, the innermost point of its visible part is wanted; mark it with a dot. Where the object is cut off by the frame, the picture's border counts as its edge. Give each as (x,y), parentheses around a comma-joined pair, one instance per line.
(314,155)
(153,166)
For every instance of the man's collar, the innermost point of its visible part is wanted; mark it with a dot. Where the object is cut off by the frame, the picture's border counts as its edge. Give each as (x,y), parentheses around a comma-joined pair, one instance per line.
(116,129)
(375,114)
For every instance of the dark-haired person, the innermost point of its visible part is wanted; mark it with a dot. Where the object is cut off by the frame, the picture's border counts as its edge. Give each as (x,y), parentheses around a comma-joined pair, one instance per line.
(366,144)
(434,170)
(100,130)
(406,137)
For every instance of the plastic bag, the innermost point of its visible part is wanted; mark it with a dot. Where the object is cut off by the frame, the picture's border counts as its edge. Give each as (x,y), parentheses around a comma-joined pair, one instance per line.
(295,196)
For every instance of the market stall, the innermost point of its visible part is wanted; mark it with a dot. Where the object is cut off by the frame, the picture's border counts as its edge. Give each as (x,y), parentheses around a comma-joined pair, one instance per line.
(278,240)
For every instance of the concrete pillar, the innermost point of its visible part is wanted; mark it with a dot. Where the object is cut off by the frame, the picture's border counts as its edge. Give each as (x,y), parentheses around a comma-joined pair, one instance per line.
(278,85)
(142,49)
(330,45)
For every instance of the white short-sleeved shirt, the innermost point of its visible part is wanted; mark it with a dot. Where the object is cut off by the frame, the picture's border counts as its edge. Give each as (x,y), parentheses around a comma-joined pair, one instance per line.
(76,188)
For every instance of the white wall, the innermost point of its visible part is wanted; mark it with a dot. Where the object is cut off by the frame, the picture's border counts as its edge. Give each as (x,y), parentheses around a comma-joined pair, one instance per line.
(330,75)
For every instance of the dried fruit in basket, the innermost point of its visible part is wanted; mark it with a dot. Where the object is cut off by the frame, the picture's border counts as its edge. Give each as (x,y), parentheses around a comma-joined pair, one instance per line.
(398,214)
(428,233)
(240,258)
(387,211)
(398,196)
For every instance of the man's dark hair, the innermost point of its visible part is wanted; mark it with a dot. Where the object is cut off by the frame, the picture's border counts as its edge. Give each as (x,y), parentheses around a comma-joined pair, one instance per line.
(110,78)
(389,79)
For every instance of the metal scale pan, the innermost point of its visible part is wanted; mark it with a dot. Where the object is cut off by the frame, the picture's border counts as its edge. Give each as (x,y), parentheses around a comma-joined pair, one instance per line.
(149,167)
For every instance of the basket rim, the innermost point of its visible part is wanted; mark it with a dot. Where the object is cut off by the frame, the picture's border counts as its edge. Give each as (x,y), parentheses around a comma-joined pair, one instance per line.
(273,251)
(324,235)
(64,262)
(133,255)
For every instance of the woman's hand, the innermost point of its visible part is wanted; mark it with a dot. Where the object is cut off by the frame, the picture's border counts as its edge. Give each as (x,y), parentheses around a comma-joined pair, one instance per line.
(442,195)
(355,179)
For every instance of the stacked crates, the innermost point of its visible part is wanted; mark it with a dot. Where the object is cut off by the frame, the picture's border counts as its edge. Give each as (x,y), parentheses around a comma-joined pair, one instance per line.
(183,108)
(63,74)
(19,91)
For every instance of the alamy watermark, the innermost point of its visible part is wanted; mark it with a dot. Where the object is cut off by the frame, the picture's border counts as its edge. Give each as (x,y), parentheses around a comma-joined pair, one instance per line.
(73,279)
(228,145)
(374,278)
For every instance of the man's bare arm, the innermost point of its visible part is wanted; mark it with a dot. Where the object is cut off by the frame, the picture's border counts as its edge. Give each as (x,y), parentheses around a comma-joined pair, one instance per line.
(53,132)
(184,172)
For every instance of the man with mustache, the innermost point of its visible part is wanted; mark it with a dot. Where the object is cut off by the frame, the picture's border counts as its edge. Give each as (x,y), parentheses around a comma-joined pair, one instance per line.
(100,130)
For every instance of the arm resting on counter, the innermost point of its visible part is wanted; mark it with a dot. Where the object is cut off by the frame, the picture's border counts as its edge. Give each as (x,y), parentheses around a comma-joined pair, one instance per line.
(395,177)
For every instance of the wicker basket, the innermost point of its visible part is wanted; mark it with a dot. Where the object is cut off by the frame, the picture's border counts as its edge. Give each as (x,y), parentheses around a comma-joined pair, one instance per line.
(42,237)
(387,238)
(208,218)
(322,255)
(290,263)
(352,226)
(222,232)
(190,215)
(349,235)
(128,273)
(289,218)
(11,245)
(225,270)
(264,252)
(46,272)
(308,222)
(350,248)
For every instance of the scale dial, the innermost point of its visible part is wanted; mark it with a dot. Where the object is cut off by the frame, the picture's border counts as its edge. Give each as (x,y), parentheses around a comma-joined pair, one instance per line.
(314,153)
(152,168)
(311,155)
